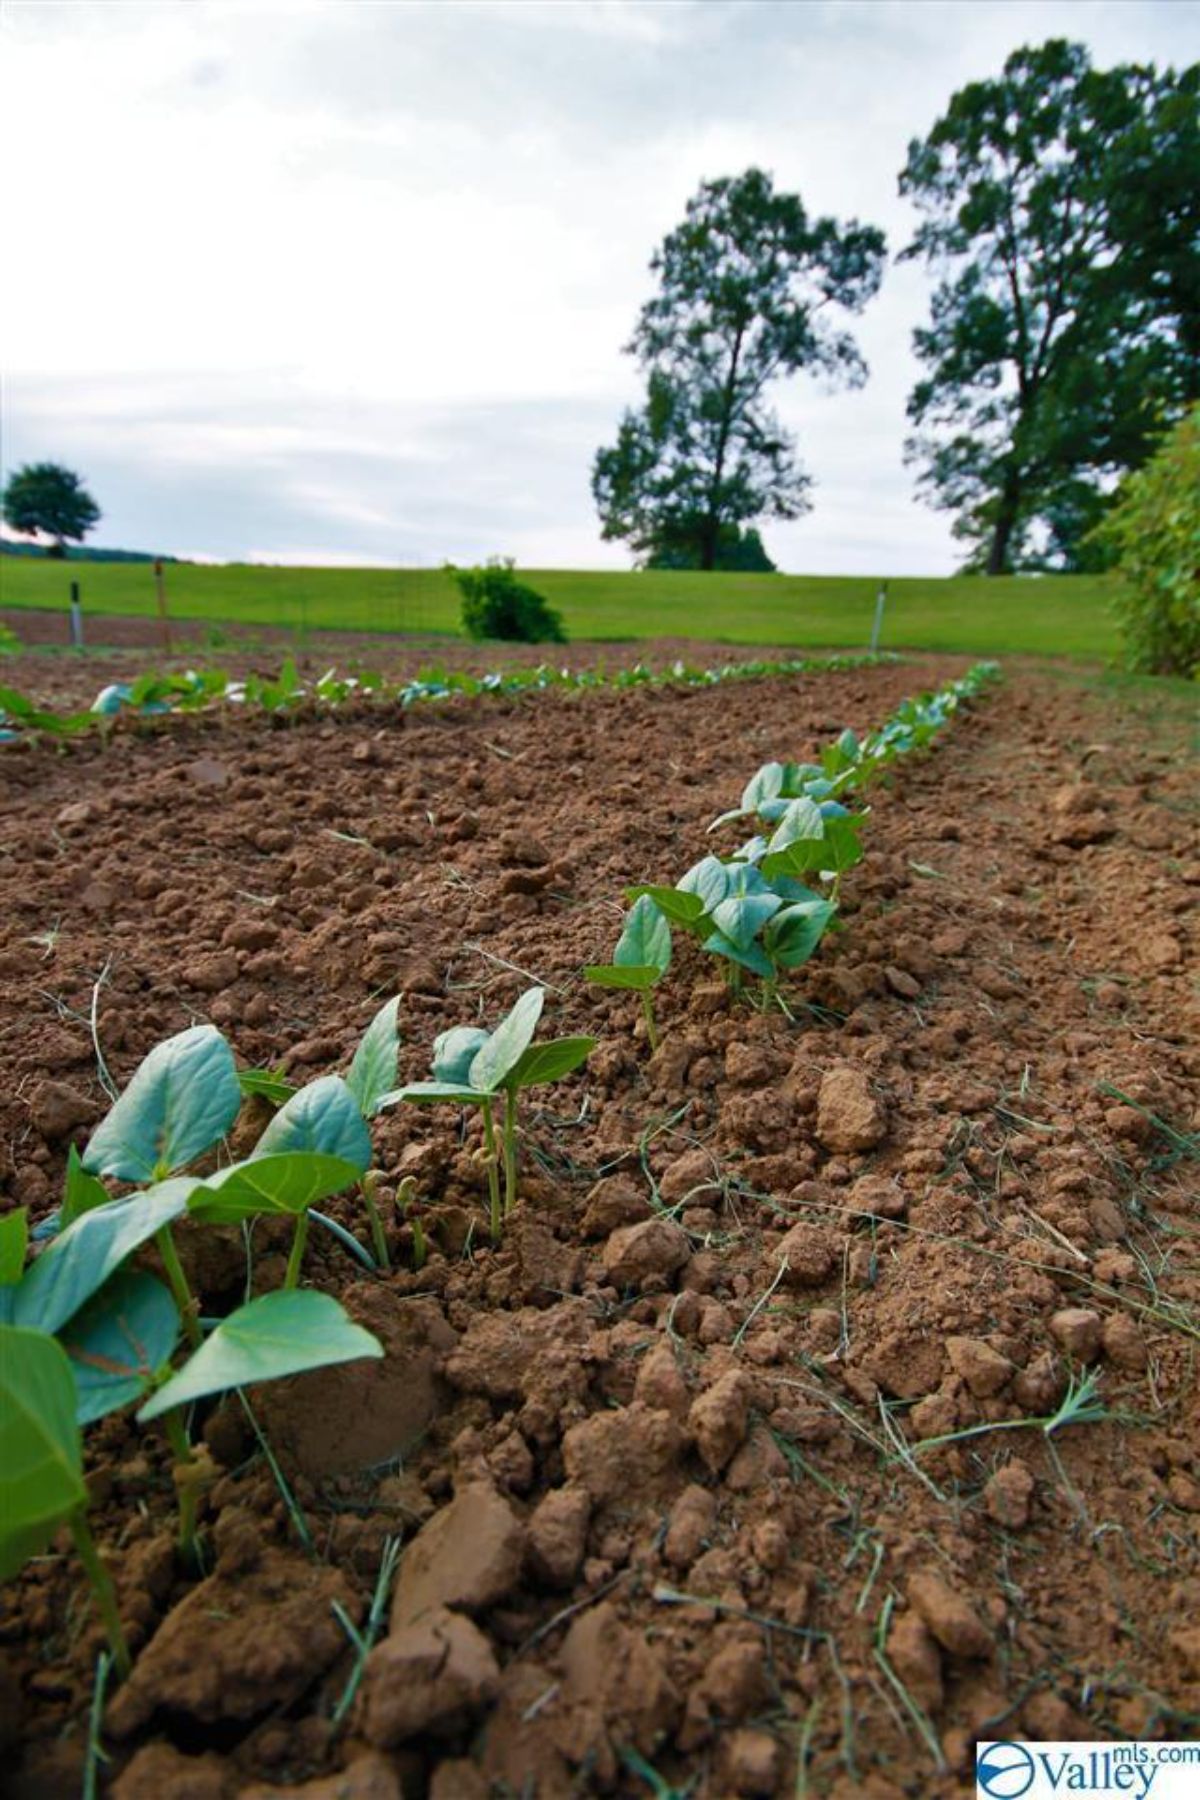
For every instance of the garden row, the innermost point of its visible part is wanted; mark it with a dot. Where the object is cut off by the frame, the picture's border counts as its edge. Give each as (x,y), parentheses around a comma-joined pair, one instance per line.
(152,696)
(84,1333)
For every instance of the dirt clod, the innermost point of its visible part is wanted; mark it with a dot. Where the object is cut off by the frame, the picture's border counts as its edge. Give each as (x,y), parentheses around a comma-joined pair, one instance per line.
(430,1675)
(469,1555)
(849,1115)
(950,1617)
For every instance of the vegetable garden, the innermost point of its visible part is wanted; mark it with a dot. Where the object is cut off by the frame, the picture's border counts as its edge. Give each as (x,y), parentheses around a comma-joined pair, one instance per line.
(483,1312)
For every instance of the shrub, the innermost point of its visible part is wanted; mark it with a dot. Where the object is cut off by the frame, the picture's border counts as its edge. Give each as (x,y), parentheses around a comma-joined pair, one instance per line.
(1154,529)
(497,605)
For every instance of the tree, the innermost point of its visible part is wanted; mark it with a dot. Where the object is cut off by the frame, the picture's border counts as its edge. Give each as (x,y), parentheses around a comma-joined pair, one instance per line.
(739,547)
(1060,208)
(744,284)
(46,497)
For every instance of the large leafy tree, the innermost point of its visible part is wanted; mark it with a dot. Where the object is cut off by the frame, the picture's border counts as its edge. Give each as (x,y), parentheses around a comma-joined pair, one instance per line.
(46,497)
(1062,212)
(746,286)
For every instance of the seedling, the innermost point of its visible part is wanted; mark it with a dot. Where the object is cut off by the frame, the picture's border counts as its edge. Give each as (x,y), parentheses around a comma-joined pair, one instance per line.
(640,960)
(41,1468)
(474,1067)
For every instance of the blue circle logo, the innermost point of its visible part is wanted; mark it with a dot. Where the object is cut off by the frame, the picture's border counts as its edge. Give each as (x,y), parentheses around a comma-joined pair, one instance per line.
(1004,1771)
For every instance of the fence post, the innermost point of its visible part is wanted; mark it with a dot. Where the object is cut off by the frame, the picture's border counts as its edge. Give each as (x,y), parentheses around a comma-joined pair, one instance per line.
(160,597)
(877,627)
(76,618)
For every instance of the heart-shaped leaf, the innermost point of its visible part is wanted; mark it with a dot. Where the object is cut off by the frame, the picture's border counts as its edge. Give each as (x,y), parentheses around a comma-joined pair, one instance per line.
(278,1334)
(41,1460)
(323,1116)
(373,1071)
(707,881)
(120,1342)
(508,1043)
(455,1050)
(794,933)
(547,1062)
(288,1181)
(645,941)
(741,918)
(181,1101)
(81,1259)
(801,823)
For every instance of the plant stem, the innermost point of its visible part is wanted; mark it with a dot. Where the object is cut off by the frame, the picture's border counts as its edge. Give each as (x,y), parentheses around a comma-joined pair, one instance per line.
(489,1138)
(648,1015)
(102,1590)
(187,1488)
(189,1312)
(378,1235)
(510,1149)
(299,1239)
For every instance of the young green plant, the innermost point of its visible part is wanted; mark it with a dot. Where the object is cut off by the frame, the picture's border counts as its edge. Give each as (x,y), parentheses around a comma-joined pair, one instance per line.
(475,1067)
(640,960)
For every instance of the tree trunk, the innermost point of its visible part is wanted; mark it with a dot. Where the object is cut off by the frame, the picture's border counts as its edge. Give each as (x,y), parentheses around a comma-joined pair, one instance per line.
(57,548)
(1006,524)
(708,545)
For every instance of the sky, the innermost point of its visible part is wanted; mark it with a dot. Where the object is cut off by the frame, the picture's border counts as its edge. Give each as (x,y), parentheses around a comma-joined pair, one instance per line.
(348,281)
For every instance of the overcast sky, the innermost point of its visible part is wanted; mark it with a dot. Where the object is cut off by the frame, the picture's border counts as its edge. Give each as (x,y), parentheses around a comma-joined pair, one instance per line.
(348,282)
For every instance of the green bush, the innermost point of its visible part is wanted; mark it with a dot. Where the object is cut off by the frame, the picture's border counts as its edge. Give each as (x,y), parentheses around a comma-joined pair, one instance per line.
(496,605)
(1153,529)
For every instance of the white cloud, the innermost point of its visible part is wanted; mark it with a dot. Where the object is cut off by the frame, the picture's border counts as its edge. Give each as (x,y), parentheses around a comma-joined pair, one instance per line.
(357,276)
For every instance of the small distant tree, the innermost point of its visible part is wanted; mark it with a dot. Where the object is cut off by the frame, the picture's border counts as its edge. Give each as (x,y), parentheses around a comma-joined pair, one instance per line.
(496,605)
(738,548)
(1153,529)
(746,284)
(45,497)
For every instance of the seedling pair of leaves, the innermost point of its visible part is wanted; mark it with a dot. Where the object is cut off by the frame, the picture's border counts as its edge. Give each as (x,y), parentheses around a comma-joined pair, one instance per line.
(640,960)
(475,1067)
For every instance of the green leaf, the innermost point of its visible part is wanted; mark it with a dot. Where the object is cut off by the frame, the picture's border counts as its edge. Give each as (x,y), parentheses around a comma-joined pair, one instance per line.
(120,1342)
(266,1084)
(428,1093)
(646,938)
(41,1459)
(81,1193)
(794,933)
(279,1334)
(14,1241)
(707,881)
(323,1116)
(455,1050)
(82,1258)
(742,917)
(288,1181)
(373,1071)
(800,823)
(181,1101)
(751,957)
(547,1062)
(508,1043)
(680,908)
(612,975)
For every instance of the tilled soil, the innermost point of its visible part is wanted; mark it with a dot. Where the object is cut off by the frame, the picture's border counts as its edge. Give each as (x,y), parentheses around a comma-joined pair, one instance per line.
(656,1461)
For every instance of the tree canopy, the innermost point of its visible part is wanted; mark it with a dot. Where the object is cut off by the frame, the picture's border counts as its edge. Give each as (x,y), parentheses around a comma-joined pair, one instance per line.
(745,285)
(45,497)
(1062,212)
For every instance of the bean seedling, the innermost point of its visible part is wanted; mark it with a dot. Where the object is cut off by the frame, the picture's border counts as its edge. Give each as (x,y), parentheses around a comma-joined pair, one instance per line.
(640,960)
(474,1067)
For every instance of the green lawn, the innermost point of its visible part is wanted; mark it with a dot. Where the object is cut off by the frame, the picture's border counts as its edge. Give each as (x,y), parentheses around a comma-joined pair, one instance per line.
(1064,615)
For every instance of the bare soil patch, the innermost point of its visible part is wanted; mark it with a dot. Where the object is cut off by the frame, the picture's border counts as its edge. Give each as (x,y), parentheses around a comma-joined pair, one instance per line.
(662,1505)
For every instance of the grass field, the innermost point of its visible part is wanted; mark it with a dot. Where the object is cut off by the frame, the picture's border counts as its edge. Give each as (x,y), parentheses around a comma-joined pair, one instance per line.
(1063,615)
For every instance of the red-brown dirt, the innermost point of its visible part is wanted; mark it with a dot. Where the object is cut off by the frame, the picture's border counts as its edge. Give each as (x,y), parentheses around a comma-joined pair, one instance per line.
(656,1460)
